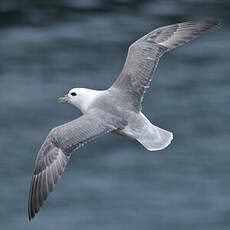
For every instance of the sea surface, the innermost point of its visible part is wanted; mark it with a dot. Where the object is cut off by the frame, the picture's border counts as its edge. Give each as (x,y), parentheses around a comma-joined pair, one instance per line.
(113,183)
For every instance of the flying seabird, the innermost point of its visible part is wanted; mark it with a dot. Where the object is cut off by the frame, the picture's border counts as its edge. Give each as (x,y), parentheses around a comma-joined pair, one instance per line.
(117,109)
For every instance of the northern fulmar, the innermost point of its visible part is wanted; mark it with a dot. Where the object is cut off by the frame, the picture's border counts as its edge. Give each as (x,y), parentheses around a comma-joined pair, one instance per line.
(117,109)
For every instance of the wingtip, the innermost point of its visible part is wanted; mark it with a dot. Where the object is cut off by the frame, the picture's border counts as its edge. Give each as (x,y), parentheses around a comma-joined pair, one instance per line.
(208,23)
(217,23)
(30,215)
(213,22)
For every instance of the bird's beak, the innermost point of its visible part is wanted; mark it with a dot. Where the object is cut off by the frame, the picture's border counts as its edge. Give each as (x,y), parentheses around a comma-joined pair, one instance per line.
(63,99)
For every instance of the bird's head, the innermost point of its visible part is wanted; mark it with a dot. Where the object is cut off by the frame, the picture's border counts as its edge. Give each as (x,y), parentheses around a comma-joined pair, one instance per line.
(79,97)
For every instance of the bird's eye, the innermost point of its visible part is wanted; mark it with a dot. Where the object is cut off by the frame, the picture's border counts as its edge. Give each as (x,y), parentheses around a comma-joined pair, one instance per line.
(73,94)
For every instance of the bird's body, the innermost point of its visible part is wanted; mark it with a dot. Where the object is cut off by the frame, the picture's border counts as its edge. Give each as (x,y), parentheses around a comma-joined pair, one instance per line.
(138,126)
(117,109)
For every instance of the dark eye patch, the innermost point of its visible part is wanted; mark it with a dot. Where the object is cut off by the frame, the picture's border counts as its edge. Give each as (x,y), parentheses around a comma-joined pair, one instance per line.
(73,94)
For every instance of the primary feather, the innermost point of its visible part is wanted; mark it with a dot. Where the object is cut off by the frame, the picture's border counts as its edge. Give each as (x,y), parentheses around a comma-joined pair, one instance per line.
(144,54)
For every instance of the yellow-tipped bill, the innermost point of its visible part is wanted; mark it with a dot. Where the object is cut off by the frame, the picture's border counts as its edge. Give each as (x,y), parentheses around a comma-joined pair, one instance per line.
(63,99)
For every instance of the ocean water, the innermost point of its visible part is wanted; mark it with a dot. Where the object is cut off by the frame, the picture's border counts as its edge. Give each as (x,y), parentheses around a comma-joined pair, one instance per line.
(49,47)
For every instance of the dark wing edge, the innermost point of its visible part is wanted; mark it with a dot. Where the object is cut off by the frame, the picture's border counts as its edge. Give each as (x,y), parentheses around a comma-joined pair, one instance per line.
(144,54)
(57,148)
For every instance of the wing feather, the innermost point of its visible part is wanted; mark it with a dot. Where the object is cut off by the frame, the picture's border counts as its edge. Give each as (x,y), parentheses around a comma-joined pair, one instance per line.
(144,54)
(57,148)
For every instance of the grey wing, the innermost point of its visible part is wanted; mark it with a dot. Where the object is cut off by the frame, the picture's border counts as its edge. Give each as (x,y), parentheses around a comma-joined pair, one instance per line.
(57,148)
(144,54)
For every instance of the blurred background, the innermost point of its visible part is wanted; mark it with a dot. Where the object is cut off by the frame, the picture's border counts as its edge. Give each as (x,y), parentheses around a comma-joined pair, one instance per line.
(48,47)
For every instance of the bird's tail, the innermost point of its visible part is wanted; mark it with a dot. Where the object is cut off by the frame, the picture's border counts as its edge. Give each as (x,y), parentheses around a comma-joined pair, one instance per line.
(150,136)
(157,139)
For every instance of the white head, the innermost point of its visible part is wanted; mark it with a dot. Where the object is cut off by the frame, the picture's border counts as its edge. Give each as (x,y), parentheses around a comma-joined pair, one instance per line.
(80,97)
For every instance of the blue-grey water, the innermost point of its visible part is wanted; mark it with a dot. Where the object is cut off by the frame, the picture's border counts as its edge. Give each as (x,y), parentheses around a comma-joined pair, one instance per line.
(49,47)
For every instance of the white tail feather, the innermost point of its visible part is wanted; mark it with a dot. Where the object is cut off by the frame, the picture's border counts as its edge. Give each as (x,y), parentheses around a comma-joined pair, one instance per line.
(159,139)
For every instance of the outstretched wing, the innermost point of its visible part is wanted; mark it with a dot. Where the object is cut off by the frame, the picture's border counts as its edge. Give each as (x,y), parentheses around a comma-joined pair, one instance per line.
(57,148)
(144,54)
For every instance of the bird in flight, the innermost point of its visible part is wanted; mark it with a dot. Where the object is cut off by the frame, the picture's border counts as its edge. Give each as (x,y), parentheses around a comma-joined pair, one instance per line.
(117,109)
